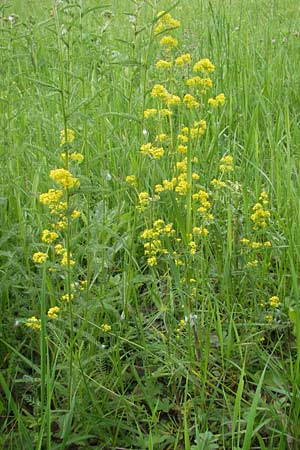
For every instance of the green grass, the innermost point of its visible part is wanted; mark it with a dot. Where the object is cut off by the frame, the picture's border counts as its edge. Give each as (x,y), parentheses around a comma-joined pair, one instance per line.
(185,365)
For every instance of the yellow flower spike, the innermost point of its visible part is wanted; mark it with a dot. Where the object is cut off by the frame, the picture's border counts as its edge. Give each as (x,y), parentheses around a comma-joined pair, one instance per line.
(105,327)
(226,163)
(39,257)
(159,91)
(53,312)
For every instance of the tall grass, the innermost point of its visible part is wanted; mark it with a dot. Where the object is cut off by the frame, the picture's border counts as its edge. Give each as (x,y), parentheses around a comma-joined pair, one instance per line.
(149,356)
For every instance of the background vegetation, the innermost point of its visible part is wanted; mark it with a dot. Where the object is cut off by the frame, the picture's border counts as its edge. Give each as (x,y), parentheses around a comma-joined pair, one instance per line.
(143,357)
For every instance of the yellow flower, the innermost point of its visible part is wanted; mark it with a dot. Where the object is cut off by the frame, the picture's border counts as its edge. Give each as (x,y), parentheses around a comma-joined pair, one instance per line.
(161,137)
(269,318)
(150,150)
(49,236)
(204,66)
(253,263)
(164,112)
(190,101)
(64,178)
(183,59)
(76,157)
(67,136)
(39,257)
(182,148)
(33,322)
(162,64)
(172,100)
(200,231)
(53,312)
(168,42)
(59,249)
(105,327)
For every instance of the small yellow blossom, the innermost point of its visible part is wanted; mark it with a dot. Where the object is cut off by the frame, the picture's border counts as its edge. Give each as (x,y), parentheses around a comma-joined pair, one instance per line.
(164,112)
(53,312)
(59,249)
(182,148)
(67,297)
(274,301)
(161,137)
(172,100)
(67,136)
(190,101)
(162,64)
(152,261)
(253,263)
(200,231)
(49,236)
(51,197)
(64,178)
(105,327)
(150,150)
(150,112)
(165,22)
(33,322)
(75,214)
(204,66)
(218,184)
(131,179)
(39,257)
(219,100)
(159,91)
(65,261)
(269,318)
(168,43)
(226,163)
(183,59)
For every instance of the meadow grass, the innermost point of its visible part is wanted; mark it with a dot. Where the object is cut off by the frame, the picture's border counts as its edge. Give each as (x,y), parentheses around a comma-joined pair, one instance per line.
(178,325)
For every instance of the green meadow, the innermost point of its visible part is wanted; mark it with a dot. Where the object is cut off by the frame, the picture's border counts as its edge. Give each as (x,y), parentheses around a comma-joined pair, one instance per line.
(150,225)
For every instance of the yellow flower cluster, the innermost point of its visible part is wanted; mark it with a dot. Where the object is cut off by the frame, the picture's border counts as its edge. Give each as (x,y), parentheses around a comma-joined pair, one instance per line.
(165,22)
(204,83)
(64,178)
(53,312)
(67,298)
(150,150)
(67,136)
(255,245)
(33,322)
(145,200)
(105,327)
